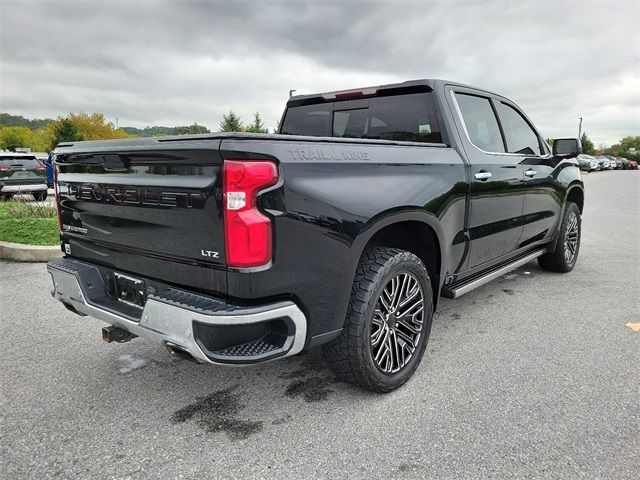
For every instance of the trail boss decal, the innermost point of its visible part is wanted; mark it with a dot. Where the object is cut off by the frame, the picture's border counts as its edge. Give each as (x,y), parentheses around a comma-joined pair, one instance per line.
(312,154)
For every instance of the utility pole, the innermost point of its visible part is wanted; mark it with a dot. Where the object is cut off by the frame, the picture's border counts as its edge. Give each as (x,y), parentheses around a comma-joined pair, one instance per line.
(580,128)
(291,93)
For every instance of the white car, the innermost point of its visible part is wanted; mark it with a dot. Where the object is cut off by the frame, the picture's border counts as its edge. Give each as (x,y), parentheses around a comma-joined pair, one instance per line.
(593,162)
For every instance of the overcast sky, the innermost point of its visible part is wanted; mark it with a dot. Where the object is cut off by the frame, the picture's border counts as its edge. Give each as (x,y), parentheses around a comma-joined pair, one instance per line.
(172,63)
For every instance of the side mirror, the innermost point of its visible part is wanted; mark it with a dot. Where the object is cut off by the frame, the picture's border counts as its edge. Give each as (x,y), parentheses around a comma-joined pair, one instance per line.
(567,147)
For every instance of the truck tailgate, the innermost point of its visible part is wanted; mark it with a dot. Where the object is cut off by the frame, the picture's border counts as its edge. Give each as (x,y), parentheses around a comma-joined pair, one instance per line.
(148,207)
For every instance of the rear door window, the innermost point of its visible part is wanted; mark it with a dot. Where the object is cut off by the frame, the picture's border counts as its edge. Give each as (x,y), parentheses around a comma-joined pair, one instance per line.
(480,123)
(520,137)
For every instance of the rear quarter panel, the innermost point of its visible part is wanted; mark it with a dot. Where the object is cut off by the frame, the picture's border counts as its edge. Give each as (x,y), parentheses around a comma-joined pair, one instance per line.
(332,198)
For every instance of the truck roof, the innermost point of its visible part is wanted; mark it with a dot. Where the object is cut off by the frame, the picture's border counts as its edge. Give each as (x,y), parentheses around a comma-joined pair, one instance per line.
(430,84)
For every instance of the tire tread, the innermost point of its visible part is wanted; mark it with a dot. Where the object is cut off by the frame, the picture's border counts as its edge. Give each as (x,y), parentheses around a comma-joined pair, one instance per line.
(346,353)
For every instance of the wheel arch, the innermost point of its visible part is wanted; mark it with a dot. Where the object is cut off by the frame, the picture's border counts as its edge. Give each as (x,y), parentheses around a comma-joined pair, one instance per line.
(575,194)
(411,230)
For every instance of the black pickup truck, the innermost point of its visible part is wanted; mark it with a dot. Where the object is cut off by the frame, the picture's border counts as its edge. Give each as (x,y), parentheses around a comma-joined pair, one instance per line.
(344,229)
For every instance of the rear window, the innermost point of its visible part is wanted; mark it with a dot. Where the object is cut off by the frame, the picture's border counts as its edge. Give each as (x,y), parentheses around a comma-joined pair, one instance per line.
(28,162)
(409,118)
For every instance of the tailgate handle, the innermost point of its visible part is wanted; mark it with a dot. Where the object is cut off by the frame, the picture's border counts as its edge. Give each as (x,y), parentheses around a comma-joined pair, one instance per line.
(115,163)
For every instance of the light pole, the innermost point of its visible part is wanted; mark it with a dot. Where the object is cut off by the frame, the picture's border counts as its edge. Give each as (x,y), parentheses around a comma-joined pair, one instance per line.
(580,128)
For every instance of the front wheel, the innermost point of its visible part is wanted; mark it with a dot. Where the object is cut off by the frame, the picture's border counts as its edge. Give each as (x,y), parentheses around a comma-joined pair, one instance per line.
(565,255)
(388,321)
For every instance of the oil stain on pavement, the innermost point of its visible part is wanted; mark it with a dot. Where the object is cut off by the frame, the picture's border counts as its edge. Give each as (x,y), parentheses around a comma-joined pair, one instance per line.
(218,412)
(314,389)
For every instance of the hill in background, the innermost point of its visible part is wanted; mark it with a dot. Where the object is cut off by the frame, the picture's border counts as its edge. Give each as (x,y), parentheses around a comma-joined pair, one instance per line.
(6,119)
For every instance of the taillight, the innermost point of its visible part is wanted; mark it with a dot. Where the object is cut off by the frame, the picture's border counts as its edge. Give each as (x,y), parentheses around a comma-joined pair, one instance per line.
(4,168)
(247,230)
(40,167)
(57,194)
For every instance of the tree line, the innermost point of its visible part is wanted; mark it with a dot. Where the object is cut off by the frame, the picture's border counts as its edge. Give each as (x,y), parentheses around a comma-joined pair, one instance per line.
(627,147)
(42,135)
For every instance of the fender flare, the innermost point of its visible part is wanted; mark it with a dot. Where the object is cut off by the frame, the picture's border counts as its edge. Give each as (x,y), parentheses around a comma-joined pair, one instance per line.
(390,217)
(573,185)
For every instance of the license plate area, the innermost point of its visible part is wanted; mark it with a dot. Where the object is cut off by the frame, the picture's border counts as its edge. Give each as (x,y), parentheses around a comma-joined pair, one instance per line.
(130,290)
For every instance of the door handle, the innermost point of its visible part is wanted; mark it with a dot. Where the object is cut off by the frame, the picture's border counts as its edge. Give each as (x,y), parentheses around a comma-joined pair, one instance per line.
(531,173)
(482,175)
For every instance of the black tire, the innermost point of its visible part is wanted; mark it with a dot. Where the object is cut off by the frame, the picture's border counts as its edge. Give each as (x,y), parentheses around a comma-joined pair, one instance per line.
(564,257)
(352,354)
(40,196)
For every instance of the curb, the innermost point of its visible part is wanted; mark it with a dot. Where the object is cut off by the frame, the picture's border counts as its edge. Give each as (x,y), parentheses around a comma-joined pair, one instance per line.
(28,253)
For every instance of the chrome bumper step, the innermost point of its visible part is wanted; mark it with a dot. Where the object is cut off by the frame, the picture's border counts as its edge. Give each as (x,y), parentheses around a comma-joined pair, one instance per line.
(190,322)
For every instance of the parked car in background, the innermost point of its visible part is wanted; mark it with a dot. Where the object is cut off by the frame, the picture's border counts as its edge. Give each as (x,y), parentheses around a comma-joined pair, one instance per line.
(595,165)
(588,163)
(584,163)
(22,173)
(605,163)
(616,164)
(625,162)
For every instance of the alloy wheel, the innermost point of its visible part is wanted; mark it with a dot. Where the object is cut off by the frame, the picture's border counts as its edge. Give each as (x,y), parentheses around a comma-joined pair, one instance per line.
(571,237)
(397,323)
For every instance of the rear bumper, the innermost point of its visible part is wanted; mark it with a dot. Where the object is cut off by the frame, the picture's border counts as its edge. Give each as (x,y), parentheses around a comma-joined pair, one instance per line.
(208,329)
(38,187)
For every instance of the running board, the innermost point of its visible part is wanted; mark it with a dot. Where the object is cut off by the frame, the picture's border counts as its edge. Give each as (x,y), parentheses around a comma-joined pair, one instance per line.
(457,290)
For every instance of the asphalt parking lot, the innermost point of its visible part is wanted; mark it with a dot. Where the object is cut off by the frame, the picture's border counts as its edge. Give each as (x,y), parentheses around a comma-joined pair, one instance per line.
(534,375)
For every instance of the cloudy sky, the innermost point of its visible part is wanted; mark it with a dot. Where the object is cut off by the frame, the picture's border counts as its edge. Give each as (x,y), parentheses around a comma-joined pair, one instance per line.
(171,63)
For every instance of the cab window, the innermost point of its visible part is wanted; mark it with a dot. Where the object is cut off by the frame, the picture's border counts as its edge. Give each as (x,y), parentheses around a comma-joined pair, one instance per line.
(519,135)
(480,122)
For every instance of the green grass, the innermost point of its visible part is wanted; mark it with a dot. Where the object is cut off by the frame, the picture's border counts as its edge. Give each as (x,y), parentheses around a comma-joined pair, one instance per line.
(28,223)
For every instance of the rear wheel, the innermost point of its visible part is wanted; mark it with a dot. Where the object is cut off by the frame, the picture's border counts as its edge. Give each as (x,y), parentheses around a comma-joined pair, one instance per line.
(565,255)
(40,196)
(388,321)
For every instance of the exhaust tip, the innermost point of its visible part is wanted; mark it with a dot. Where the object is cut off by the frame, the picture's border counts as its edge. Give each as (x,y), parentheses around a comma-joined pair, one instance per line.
(180,352)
